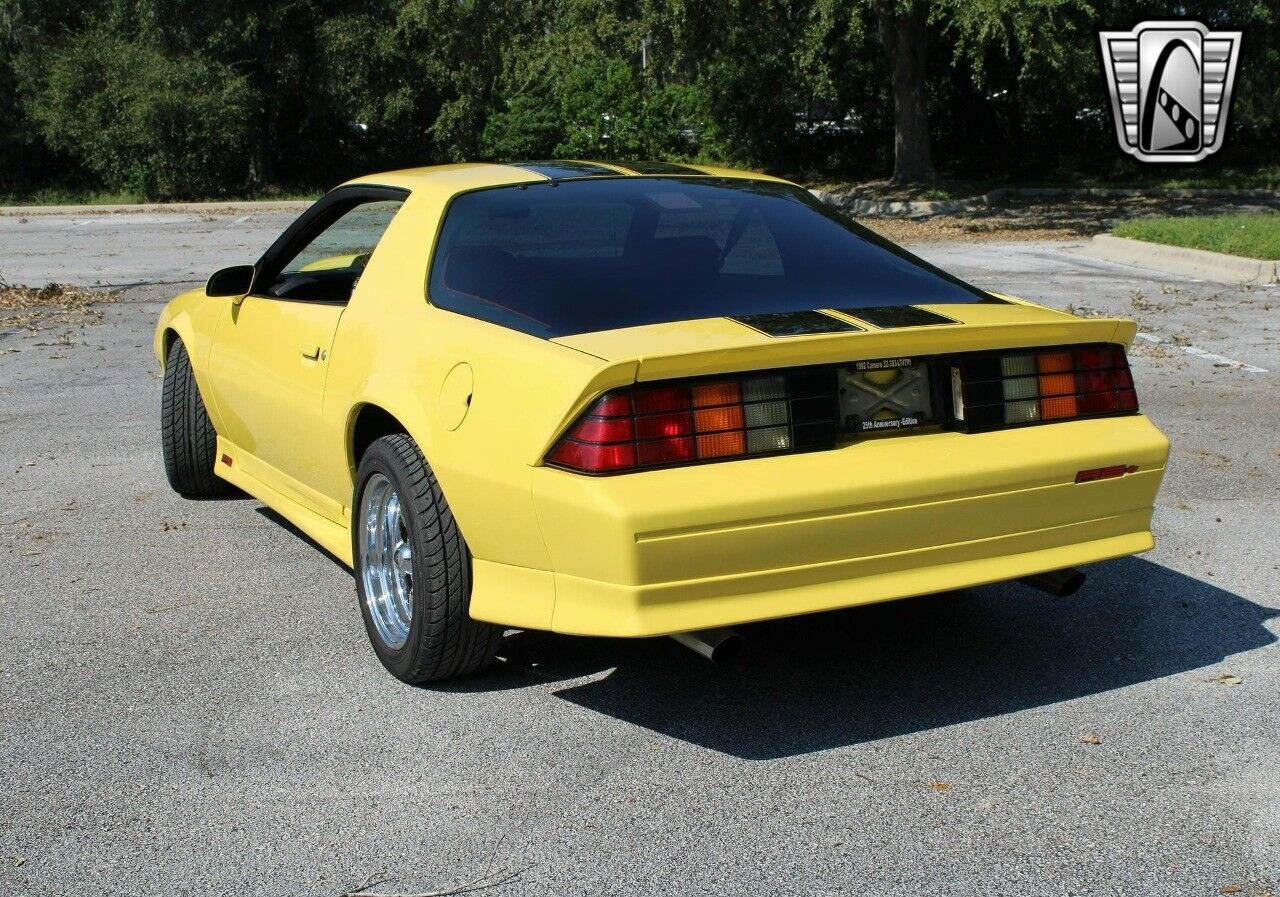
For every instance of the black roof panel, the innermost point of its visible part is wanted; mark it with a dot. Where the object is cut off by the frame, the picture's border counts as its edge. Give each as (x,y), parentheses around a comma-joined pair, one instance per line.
(658,168)
(558,169)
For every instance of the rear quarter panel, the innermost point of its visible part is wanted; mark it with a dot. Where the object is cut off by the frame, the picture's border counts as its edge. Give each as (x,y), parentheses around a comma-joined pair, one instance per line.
(396,351)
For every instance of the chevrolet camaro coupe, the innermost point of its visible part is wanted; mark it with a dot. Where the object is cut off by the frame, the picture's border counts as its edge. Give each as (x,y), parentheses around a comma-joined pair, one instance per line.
(643,399)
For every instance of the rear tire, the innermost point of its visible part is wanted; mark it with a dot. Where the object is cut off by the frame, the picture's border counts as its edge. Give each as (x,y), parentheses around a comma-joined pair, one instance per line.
(186,433)
(413,569)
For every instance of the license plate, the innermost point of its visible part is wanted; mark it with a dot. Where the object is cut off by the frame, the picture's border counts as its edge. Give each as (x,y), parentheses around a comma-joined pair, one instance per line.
(885,394)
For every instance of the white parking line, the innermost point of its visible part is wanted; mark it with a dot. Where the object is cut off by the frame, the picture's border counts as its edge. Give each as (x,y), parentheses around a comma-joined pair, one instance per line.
(1201,353)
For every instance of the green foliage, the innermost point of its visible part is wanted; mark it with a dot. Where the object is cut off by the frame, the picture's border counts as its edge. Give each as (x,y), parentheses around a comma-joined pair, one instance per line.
(177,98)
(1251,236)
(143,121)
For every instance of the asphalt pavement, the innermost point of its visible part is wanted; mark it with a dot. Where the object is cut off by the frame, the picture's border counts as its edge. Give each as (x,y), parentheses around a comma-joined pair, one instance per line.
(190,705)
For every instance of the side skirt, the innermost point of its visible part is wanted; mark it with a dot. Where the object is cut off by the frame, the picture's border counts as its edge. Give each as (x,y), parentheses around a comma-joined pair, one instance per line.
(332,537)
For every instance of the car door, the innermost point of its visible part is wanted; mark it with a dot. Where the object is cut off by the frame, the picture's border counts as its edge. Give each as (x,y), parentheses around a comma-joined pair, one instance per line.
(271,350)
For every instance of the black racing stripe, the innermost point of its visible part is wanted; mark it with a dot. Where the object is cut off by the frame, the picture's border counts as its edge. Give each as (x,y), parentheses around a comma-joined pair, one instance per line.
(658,168)
(889,317)
(795,323)
(558,169)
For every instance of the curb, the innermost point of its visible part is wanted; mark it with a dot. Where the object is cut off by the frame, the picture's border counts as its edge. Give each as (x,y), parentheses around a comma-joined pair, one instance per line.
(205,208)
(872,208)
(1214,266)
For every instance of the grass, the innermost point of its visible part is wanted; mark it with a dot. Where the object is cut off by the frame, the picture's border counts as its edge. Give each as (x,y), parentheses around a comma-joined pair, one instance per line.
(1252,236)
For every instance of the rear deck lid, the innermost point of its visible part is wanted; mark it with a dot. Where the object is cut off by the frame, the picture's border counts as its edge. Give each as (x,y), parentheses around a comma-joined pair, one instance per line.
(718,345)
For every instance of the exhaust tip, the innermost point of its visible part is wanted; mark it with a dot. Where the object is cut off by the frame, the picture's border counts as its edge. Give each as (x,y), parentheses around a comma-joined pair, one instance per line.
(716,645)
(729,649)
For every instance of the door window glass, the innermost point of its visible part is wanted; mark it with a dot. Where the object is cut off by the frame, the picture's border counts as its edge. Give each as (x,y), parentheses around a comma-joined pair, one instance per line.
(350,238)
(328,267)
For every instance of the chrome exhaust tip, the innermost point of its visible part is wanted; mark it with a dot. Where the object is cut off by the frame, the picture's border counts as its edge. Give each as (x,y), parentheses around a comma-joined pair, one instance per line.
(716,645)
(1060,583)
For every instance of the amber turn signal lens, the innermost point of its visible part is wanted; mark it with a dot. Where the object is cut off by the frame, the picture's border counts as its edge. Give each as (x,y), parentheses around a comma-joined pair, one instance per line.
(725,393)
(710,420)
(718,445)
(1058,407)
(1054,362)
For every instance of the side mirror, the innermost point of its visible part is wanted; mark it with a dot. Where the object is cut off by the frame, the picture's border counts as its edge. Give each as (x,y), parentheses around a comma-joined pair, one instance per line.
(234,281)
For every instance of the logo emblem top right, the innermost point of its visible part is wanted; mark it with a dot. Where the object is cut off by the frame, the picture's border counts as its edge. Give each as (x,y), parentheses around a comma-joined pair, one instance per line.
(1170,86)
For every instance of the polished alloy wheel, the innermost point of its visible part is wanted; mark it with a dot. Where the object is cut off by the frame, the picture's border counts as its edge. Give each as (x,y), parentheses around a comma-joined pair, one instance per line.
(386,561)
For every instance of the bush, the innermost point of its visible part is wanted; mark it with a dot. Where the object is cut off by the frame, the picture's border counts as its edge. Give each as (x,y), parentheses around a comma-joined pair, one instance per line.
(161,126)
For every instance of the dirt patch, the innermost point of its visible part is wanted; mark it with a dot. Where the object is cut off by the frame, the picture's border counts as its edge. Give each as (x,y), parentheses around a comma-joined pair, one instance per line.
(966,229)
(1056,219)
(51,305)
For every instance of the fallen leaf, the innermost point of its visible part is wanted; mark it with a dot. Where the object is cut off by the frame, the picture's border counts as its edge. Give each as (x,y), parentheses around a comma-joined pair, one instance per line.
(940,787)
(1227,679)
(1090,738)
(1230,889)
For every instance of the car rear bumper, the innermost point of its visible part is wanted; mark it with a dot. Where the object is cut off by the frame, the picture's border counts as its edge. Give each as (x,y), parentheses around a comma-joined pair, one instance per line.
(687,548)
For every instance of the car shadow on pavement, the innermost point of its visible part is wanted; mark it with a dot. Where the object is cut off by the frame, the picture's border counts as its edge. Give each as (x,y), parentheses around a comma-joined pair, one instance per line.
(284,523)
(823,681)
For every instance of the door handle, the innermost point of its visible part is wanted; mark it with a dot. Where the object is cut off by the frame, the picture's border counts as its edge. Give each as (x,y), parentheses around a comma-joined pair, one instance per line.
(310,351)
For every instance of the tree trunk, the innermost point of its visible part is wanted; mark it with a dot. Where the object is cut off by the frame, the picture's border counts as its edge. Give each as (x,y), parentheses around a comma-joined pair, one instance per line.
(902,32)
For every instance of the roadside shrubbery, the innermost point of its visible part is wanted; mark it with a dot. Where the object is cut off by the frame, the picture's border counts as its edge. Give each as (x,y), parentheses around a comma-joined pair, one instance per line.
(186,99)
(164,126)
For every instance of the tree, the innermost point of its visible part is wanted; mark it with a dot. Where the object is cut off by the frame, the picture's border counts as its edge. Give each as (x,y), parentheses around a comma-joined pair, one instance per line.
(190,98)
(903,34)
(1029,32)
(138,119)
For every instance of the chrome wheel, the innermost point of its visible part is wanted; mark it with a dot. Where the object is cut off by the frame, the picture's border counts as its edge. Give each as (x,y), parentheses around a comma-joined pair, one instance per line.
(386,561)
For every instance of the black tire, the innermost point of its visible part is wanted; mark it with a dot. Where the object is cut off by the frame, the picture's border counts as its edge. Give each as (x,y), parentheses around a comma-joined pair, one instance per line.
(443,641)
(190,442)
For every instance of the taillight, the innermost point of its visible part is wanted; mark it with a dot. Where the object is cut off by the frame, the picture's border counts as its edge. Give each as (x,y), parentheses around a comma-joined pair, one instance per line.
(709,419)
(800,409)
(1011,388)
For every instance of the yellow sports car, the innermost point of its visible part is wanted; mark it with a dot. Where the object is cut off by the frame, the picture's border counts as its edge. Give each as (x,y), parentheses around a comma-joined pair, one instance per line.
(641,399)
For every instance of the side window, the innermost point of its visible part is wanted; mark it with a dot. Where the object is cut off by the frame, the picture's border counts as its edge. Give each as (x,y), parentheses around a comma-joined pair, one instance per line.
(327,268)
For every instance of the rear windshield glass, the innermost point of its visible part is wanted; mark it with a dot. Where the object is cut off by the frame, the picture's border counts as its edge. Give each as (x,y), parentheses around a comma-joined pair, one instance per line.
(596,254)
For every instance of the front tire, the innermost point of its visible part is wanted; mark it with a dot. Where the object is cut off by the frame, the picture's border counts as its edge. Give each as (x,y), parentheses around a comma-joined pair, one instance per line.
(413,569)
(189,441)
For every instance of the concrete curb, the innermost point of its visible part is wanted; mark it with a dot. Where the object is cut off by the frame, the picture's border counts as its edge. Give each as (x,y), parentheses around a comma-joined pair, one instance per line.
(871,208)
(1214,266)
(189,208)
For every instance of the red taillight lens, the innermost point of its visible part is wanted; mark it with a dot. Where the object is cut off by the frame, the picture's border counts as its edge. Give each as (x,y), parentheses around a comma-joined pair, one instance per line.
(585,456)
(664,426)
(653,426)
(1002,389)
(661,398)
(604,429)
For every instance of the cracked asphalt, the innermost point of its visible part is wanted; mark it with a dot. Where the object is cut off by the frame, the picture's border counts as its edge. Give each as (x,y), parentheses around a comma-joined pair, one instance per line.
(190,705)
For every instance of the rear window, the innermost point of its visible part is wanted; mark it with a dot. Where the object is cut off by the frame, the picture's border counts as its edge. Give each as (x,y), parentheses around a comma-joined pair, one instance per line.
(555,259)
